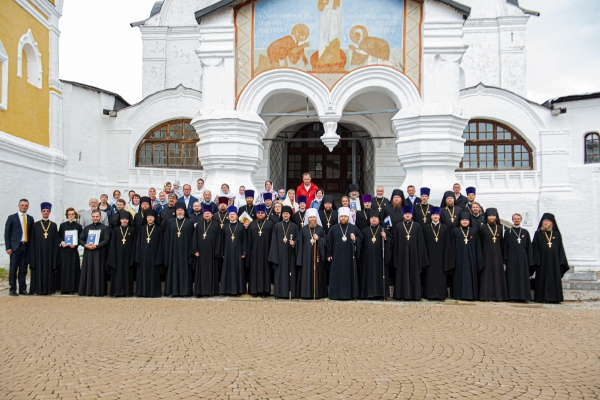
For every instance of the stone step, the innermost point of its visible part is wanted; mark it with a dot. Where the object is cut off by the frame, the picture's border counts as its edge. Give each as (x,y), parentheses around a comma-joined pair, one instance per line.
(581,276)
(580,285)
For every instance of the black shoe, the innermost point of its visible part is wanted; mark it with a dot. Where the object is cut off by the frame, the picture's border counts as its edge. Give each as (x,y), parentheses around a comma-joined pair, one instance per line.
(264,296)
(276,298)
(12,294)
(24,293)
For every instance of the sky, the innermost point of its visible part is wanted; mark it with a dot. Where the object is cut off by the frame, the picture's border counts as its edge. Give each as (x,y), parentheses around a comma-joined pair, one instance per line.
(99,48)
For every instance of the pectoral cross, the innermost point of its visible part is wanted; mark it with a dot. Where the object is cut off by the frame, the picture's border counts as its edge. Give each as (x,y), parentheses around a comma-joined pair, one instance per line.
(379,208)
(452,219)
(204,236)
(45,235)
(494,239)
(519,240)
(549,244)
(466,240)
(148,239)
(232,237)
(407,237)
(123,240)
(373,240)
(328,225)
(178,234)
(221,225)
(285,239)
(312,241)
(259,233)
(436,239)
(425,218)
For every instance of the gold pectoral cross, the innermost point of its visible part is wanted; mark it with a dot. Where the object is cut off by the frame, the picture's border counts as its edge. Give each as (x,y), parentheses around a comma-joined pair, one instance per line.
(425,219)
(204,236)
(232,237)
(549,244)
(494,239)
(436,239)
(148,239)
(178,234)
(519,240)
(451,219)
(45,235)
(407,237)
(259,233)
(328,225)
(466,240)
(123,240)
(379,208)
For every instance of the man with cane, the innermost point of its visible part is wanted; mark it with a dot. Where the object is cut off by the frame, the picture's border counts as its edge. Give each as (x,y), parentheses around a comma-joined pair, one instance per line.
(374,259)
(311,256)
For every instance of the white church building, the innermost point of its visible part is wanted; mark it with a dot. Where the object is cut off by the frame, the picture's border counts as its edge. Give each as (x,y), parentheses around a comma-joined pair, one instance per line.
(384,92)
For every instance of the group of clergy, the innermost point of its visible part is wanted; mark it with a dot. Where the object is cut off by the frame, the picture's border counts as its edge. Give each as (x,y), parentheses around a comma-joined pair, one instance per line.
(343,253)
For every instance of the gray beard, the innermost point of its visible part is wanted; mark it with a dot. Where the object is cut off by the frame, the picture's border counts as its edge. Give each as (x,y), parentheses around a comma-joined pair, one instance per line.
(380,197)
(546,228)
(180,217)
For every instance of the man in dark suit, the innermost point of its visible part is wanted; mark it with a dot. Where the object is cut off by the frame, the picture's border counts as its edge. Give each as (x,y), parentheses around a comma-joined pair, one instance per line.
(187,198)
(459,200)
(412,199)
(17,232)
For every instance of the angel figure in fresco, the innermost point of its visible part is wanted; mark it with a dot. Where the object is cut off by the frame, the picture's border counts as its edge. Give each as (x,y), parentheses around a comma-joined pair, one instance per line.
(370,50)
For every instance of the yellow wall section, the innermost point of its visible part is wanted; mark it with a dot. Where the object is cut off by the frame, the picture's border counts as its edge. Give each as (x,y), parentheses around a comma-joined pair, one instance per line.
(28,111)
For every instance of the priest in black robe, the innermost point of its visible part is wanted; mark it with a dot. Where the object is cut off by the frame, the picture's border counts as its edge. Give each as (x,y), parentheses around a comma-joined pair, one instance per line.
(121,260)
(409,257)
(468,259)
(328,213)
(167,213)
(550,261)
(441,261)
(207,244)
(344,244)
(259,234)
(268,202)
(249,208)
(92,281)
(178,253)
(197,215)
(221,217)
(275,215)
(149,257)
(492,280)
(375,257)
(282,256)
(392,213)
(518,258)
(477,215)
(422,210)
(450,212)
(379,202)
(311,246)
(43,253)
(299,216)
(363,216)
(70,263)
(114,221)
(234,250)
(354,195)
(140,216)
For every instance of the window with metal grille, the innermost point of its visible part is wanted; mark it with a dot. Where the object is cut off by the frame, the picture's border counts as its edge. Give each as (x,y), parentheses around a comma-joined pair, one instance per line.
(173,144)
(493,146)
(592,148)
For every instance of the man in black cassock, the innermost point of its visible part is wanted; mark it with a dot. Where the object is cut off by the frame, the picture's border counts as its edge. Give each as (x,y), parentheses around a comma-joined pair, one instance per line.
(121,258)
(70,263)
(344,242)
(249,208)
(167,212)
(518,258)
(275,215)
(492,280)
(268,202)
(299,216)
(374,275)
(311,256)
(439,252)
(282,255)
(328,213)
(115,221)
(92,281)
(393,210)
(468,259)
(140,217)
(477,215)
(471,193)
(550,261)
(178,253)
(43,254)
(234,242)
(221,217)
(409,257)
(364,215)
(450,212)
(197,215)
(206,246)
(379,202)
(354,195)
(259,234)
(422,210)
(149,257)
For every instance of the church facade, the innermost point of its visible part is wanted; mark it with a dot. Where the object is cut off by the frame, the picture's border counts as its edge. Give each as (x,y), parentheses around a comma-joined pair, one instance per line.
(393,93)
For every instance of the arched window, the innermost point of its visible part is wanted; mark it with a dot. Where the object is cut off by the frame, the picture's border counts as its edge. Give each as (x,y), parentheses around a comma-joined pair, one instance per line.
(490,145)
(173,144)
(28,50)
(592,148)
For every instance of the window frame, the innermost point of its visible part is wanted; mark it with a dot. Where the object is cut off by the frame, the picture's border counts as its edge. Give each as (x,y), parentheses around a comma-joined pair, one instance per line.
(167,141)
(3,77)
(585,147)
(495,142)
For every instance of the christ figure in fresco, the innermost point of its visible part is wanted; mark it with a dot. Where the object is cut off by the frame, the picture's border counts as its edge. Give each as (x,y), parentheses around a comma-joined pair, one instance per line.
(330,31)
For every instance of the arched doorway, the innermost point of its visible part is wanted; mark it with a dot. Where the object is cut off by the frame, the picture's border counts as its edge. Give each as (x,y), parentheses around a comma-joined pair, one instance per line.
(299,149)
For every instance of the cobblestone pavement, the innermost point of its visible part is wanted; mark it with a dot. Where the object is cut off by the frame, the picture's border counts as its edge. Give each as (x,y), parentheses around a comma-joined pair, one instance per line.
(70,347)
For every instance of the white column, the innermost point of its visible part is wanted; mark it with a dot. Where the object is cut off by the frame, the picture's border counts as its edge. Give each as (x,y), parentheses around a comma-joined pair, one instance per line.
(230,147)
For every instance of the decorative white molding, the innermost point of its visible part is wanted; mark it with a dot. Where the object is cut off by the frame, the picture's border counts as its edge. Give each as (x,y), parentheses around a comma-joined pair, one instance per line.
(3,77)
(34,59)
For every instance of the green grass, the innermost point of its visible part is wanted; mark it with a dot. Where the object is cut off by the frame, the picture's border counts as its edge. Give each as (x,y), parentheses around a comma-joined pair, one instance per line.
(3,274)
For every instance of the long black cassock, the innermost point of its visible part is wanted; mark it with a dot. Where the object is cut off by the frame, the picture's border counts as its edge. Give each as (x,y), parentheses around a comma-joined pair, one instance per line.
(305,261)
(234,242)
(149,260)
(450,217)
(208,242)
(43,257)
(121,261)
(477,221)
(492,280)
(178,257)
(379,205)
(468,262)
(363,217)
(250,209)
(372,268)
(422,214)
(518,257)
(259,242)
(550,266)
(343,277)
(70,263)
(92,281)
(282,255)
(329,219)
(441,261)
(409,260)
(298,218)
(220,217)
(395,215)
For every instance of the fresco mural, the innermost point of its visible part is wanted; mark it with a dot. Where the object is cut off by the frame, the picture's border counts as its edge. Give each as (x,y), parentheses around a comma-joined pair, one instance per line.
(327,36)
